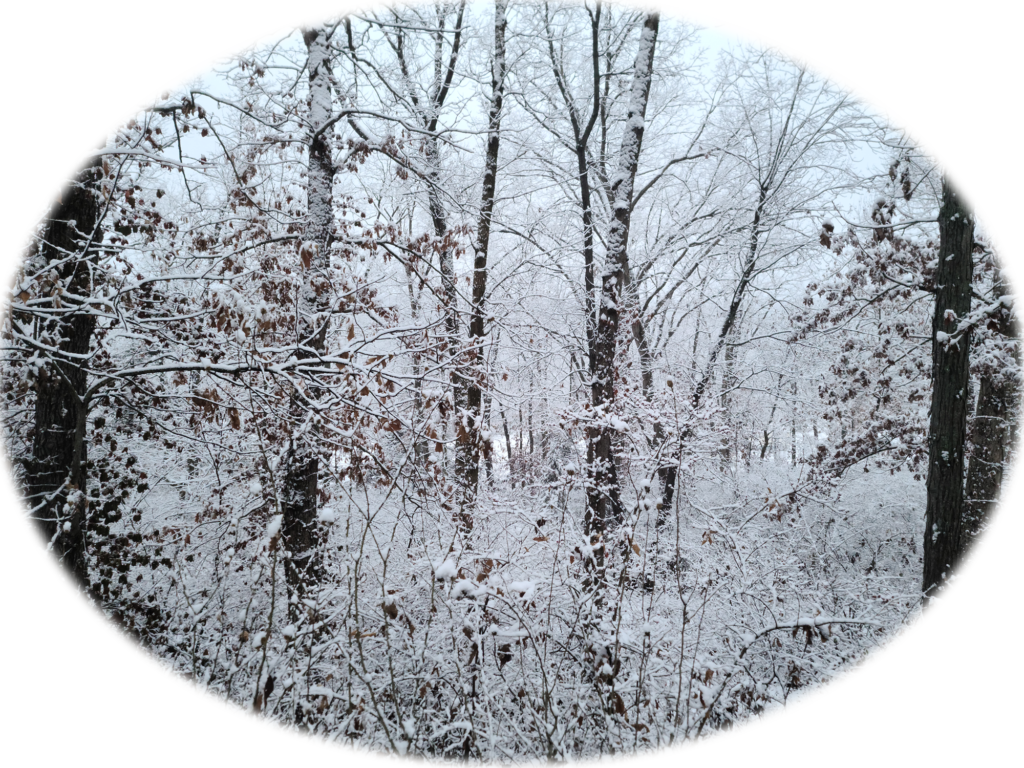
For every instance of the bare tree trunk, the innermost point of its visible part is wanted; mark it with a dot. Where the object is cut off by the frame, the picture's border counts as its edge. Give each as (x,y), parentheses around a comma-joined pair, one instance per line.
(728,382)
(55,474)
(581,137)
(446,258)
(792,431)
(529,420)
(420,449)
(992,427)
(488,453)
(299,533)
(508,438)
(522,423)
(947,432)
(771,417)
(604,505)
(467,437)
(427,112)
(669,473)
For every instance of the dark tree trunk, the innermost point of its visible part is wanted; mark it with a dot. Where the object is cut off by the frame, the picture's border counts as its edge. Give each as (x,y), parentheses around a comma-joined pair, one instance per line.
(602,488)
(947,433)
(508,439)
(771,417)
(429,113)
(991,429)
(522,422)
(646,354)
(581,138)
(446,259)
(467,436)
(529,420)
(451,346)
(604,505)
(55,473)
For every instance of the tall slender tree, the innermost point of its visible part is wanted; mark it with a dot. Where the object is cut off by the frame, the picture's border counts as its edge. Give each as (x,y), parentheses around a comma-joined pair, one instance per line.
(581,139)
(468,442)
(301,482)
(425,103)
(604,507)
(787,145)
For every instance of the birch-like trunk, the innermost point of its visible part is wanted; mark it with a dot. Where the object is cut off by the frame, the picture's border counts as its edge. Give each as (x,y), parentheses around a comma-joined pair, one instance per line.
(299,532)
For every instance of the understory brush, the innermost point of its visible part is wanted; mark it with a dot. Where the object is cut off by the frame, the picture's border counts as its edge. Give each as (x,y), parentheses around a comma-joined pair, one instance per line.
(511,643)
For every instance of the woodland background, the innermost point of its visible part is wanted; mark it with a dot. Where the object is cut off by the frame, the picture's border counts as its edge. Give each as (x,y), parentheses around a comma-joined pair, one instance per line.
(982,193)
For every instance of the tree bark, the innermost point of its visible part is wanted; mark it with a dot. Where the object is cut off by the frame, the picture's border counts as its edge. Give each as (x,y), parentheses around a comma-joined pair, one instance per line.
(55,473)
(419,441)
(467,437)
(299,530)
(604,504)
(668,474)
(581,138)
(992,427)
(947,433)
(428,112)
(728,382)
(488,452)
(792,432)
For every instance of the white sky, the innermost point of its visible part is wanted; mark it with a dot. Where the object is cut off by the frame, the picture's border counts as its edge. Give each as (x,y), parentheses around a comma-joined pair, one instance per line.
(716,36)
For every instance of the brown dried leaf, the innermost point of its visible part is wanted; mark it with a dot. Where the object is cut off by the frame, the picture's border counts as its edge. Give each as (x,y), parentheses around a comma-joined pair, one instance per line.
(618,704)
